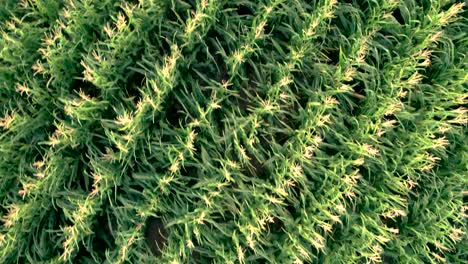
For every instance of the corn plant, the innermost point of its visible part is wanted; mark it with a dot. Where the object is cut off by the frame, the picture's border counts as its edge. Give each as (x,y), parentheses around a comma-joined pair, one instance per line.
(215,131)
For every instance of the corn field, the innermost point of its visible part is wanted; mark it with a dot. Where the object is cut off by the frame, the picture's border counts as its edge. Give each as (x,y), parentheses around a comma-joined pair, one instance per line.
(247,131)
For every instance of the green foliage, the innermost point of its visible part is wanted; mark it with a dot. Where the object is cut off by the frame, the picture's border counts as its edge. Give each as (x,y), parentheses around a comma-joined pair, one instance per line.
(272,131)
